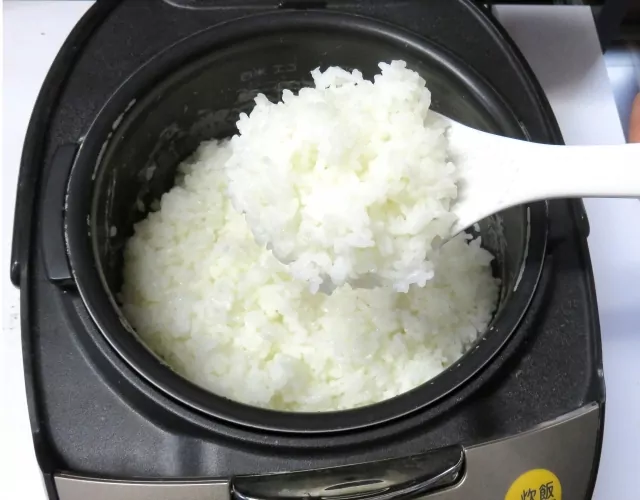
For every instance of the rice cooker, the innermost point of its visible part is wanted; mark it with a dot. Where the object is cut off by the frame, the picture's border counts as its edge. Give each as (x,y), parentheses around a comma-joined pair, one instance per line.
(142,83)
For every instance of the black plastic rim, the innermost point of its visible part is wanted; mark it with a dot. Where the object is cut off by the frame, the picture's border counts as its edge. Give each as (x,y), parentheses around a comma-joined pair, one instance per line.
(116,330)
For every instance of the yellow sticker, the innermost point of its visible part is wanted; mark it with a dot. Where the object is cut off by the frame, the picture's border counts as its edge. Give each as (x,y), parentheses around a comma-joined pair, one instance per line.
(536,484)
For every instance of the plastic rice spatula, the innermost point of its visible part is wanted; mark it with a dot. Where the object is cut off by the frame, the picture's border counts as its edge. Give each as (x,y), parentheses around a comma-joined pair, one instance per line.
(498,172)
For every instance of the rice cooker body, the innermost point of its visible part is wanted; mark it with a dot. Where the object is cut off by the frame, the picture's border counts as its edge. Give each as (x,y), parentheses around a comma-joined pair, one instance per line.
(194,91)
(92,414)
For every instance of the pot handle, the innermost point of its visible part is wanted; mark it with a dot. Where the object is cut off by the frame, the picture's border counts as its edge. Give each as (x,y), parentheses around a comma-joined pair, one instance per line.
(56,262)
(381,480)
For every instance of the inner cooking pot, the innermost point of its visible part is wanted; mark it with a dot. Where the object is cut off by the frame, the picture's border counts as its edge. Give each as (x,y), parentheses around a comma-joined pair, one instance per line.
(195,91)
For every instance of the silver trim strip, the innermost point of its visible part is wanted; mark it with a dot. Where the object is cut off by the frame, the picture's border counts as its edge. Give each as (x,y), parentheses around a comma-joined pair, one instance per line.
(75,487)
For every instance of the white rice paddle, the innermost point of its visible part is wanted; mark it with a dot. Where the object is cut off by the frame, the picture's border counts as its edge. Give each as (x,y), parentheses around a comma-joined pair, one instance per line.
(498,172)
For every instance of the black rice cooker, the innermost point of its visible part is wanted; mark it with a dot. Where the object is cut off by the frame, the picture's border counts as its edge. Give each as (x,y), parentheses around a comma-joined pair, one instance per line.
(141,84)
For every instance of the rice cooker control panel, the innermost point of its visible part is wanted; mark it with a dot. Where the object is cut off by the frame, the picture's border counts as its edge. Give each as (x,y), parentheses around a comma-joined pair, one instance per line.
(533,465)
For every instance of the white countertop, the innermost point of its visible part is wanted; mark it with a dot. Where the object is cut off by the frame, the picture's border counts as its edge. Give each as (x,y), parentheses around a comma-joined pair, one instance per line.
(561,45)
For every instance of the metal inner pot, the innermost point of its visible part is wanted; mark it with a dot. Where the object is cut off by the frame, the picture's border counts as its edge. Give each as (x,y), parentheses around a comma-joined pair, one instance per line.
(195,91)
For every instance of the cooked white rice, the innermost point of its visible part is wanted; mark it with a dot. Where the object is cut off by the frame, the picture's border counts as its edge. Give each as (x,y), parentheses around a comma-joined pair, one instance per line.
(348,181)
(223,312)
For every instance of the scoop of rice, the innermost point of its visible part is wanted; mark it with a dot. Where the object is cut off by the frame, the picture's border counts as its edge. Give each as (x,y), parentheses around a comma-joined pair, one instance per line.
(347,182)
(224,313)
